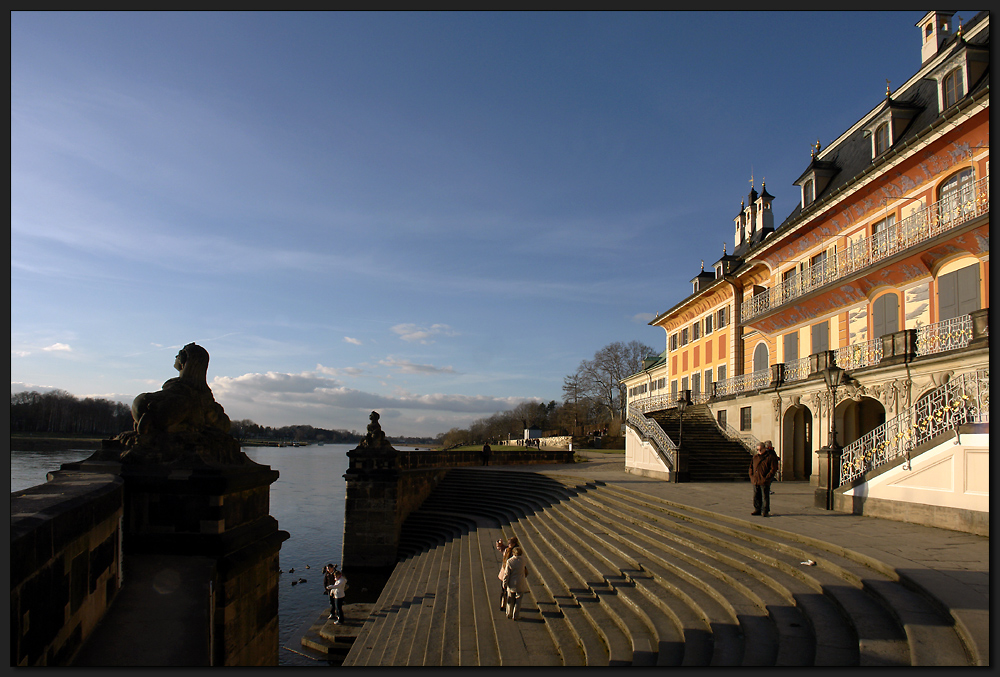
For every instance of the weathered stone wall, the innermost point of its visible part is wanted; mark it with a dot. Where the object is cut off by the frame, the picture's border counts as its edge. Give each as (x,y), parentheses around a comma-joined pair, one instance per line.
(65,564)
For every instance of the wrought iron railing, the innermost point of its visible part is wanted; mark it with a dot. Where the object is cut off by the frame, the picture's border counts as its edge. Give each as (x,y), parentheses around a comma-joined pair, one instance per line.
(969,202)
(859,355)
(796,370)
(963,399)
(652,431)
(755,380)
(748,441)
(945,335)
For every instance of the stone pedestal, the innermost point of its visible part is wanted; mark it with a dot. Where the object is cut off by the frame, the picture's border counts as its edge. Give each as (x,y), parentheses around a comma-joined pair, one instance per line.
(218,513)
(372,509)
(829,476)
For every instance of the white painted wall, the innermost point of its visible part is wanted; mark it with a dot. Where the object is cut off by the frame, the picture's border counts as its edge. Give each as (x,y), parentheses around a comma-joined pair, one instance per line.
(954,475)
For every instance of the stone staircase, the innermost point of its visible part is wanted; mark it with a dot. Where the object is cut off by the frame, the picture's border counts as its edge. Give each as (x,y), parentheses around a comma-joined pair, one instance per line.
(713,457)
(620,578)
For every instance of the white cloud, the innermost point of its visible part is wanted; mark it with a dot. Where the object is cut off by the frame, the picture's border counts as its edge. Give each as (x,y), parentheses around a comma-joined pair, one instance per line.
(309,391)
(339,371)
(643,318)
(353,341)
(407,367)
(414,332)
(60,347)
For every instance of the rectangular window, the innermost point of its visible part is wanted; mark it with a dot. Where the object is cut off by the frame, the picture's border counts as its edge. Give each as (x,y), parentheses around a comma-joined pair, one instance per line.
(722,317)
(695,383)
(721,416)
(684,336)
(958,292)
(708,380)
(696,331)
(673,389)
(745,418)
(721,370)
(821,337)
(684,383)
(673,341)
(791,346)
(708,324)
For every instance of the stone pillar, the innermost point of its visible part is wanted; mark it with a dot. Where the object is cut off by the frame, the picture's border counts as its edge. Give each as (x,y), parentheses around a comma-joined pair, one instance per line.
(215,515)
(980,328)
(777,375)
(899,347)
(829,476)
(372,521)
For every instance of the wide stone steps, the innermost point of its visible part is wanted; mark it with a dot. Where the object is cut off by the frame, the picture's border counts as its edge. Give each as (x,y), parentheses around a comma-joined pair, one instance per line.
(622,578)
(712,456)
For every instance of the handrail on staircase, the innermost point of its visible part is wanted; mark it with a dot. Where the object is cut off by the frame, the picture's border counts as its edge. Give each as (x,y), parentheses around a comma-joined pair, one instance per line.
(963,399)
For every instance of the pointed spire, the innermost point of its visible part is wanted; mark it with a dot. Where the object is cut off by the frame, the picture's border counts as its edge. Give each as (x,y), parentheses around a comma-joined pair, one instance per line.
(723,248)
(888,91)
(703,265)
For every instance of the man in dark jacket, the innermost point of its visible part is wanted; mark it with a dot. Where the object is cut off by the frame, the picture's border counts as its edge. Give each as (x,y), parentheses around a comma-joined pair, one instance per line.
(763,468)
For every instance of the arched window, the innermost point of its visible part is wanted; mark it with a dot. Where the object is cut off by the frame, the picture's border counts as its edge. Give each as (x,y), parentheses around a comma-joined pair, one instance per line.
(882,138)
(808,194)
(956,196)
(760,357)
(953,87)
(885,315)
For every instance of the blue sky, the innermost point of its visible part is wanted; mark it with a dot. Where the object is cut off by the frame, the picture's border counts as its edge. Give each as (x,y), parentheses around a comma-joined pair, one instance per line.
(436,216)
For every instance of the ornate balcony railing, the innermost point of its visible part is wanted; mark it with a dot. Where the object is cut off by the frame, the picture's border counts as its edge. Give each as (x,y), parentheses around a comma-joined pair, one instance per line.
(652,431)
(963,399)
(971,201)
(755,380)
(796,370)
(859,355)
(945,335)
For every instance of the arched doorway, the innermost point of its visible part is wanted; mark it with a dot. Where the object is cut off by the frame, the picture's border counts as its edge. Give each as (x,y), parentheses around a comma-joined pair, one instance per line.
(857,418)
(797,447)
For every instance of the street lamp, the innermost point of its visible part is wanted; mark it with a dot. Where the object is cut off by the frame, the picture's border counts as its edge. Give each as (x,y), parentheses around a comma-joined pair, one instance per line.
(834,377)
(682,402)
(680,473)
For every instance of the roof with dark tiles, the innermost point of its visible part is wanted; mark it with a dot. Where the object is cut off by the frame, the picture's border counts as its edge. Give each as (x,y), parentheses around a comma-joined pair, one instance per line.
(851,156)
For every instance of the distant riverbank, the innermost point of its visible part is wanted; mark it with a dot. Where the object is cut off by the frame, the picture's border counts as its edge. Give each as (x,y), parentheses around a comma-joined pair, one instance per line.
(49,442)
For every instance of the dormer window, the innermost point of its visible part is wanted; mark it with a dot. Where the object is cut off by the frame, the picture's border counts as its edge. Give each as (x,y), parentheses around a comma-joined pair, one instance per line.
(882,138)
(808,193)
(953,88)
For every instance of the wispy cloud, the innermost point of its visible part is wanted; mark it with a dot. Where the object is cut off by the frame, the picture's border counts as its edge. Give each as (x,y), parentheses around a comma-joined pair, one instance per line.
(643,318)
(352,341)
(309,390)
(407,367)
(58,347)
(417,333)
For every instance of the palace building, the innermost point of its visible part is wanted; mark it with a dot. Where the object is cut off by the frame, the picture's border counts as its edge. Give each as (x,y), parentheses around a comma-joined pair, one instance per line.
(854,334)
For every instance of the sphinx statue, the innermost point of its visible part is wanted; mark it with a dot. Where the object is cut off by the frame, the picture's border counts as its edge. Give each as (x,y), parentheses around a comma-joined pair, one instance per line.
(181,422)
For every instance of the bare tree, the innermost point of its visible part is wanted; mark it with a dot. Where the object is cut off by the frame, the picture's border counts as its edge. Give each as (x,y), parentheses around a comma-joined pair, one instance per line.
(601,377)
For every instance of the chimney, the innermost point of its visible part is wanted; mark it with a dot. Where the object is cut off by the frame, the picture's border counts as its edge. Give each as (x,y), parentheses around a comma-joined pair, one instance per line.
(935,28)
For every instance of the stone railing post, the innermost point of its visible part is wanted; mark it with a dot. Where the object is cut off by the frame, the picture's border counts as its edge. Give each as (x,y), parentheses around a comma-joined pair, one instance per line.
(980,328)
(777,375)
(899,347)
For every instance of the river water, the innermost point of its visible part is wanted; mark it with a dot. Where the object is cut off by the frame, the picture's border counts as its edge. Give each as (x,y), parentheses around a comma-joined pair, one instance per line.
(308,502)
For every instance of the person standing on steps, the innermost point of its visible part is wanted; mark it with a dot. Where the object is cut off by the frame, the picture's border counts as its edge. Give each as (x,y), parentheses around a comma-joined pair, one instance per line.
(515,581)
(336,586)
(763,468)
(507,550)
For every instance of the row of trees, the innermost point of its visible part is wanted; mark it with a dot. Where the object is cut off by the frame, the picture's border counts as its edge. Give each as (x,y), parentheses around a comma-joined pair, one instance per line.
(246,430)
(593,399)
(60,412)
